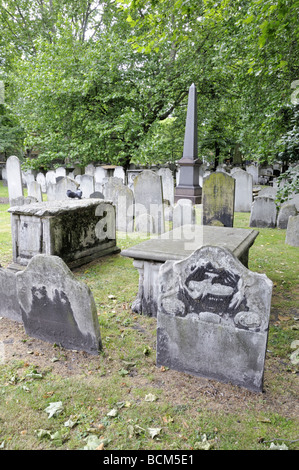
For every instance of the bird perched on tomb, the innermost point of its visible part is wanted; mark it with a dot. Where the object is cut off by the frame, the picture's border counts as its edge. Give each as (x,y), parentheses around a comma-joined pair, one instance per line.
(74,194)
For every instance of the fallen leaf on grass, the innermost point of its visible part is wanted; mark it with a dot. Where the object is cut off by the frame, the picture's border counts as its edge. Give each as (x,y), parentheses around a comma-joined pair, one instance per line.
(205,444)
(153,432)
(54,409)
(113,413)
(150,397)
(93,442)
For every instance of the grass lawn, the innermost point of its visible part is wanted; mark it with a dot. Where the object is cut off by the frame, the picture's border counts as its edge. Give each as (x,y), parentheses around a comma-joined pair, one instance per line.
(120,399)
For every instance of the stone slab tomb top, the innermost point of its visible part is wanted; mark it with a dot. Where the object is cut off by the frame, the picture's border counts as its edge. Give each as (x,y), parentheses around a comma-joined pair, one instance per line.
(52,208)
(182,241)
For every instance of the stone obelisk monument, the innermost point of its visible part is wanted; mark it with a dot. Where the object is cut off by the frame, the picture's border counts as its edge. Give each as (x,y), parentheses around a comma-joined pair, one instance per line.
(188,187)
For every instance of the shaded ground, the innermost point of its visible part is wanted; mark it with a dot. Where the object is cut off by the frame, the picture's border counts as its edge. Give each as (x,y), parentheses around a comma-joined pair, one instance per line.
(280,395)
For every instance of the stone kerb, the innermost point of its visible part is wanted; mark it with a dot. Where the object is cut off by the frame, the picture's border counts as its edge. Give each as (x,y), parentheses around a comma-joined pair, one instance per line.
(56,307)
(213,318)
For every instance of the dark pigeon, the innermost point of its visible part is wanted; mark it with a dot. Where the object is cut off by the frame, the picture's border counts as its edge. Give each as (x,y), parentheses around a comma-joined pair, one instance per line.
(74,194)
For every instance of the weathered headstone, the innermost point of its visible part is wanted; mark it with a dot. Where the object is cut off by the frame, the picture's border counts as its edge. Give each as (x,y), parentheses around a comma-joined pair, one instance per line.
(119,172)
(183,213)
(167,184)
(56,307)
(14,177)
(144,223)
(123,199)
(35,190)
(60,171)
(90,169)
(9,304)
(243,191)
(268,191)
(218,199)
(149,198)
(99,176)
(292,235)
(284,213)
(28,177)
(41,179)
(50,177)
(263,212)
(253,170)
(58,191)
(87,185)
(213,318)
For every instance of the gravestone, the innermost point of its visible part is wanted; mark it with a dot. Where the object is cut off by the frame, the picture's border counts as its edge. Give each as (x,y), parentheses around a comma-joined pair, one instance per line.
(213,318)
(218,199)
(167,184)
(60,171)
(97,195)
(145,223)
(263,213)
(292,235)
(268,191)
(254,172)
(41,179)
(99,176)
(9,304)
(119,172)
(14,177)
(35,190)
(284,213)
(87,185)
(243,191)
(90,169)
(183,213)
(56,307)
(50,177)
(22,201)
(28,177)
(149,198)
(123,199)
(58,191)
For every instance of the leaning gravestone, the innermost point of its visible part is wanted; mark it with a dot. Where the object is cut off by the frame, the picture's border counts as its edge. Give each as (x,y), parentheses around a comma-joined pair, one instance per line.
(292,235)
(263,212)
(149,198)
(213,318)
(243,191)
(56,307)
(14,177)
(218,198)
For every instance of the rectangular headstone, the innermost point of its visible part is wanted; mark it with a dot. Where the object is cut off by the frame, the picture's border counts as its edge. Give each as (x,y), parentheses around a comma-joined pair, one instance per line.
(87,187)
(14,177)
(9,305)
(149,198)
(213,318)
(218,199)
(243,191)
(56,307)
(123,199)
(263,212)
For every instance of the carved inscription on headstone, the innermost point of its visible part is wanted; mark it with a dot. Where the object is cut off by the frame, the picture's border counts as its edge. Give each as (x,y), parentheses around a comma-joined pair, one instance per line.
(213,316)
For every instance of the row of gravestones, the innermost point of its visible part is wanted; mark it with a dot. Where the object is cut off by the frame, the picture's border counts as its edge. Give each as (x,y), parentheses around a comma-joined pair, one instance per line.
(210,298)
(143,209)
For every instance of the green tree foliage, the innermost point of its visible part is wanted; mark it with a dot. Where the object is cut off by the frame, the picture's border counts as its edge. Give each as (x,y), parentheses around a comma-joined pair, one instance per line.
(108,80)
